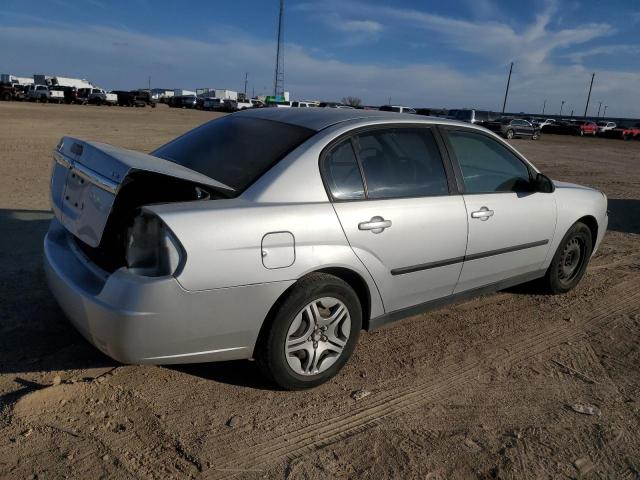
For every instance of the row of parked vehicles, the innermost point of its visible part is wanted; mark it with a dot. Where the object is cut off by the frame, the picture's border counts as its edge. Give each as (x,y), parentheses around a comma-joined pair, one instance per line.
(533,127)
(69,95)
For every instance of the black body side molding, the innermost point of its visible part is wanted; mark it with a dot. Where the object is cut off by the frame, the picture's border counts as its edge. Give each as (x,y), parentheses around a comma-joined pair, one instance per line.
(390,317)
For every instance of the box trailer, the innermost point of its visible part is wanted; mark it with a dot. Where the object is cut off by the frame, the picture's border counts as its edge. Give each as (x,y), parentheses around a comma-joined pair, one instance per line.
(226,94)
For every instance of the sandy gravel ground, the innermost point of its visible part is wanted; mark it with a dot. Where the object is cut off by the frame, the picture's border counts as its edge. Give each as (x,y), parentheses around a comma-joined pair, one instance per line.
(484,389)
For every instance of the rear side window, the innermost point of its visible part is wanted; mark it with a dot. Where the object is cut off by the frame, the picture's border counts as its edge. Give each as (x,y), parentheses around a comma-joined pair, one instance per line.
(401,162)
(487,166)
(234,150)
(342,173)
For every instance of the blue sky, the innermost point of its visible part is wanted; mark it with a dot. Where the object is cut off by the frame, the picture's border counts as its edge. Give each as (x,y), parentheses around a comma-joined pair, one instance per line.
(420,53)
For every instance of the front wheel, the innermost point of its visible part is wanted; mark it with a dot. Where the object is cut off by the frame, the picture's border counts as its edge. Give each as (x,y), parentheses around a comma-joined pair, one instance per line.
(535,136)
(570,260)
(510,134)
(313,333)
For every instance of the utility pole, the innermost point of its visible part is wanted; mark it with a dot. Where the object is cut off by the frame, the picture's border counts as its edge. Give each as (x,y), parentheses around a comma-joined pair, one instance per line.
(589,96)
(149,83)
(605,111)
(572,113)
(246,74)
(561,105)
(389,103)
(506,93)
(278,82)
(600,105)
(544,105)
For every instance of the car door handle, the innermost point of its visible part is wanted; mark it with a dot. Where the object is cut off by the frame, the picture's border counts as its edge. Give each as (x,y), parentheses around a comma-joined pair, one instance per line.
(376,224)
(483,214)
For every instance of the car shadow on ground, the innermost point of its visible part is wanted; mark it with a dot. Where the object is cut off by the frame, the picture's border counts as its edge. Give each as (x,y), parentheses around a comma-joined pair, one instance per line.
(35,336)
(242,373)
(624,215)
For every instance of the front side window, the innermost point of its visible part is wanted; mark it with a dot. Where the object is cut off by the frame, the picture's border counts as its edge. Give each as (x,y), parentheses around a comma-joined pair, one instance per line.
(487,166)
(342,173)
(401,162)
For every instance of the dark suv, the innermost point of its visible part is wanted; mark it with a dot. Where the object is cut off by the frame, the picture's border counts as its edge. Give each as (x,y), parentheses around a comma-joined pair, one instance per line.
(513,127)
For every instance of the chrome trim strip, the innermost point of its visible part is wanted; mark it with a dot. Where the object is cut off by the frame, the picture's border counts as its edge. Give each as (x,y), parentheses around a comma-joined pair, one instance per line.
(86,173)
(62,159)
(220,350)
(95,178)
(466,258)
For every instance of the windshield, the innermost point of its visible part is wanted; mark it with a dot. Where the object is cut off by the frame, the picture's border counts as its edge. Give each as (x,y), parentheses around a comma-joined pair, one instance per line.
(234,150)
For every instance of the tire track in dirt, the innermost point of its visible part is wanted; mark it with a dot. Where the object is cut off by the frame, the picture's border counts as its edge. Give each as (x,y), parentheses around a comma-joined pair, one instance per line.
(622,298)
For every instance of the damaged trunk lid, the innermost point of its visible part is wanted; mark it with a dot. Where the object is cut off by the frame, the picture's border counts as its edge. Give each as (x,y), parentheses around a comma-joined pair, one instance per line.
(87,177)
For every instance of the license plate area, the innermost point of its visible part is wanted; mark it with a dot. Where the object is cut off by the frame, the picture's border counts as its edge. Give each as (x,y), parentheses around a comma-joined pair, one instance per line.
(85,208)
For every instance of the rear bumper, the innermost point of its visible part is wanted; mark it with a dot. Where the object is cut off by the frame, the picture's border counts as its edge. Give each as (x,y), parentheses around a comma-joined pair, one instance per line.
(136,319)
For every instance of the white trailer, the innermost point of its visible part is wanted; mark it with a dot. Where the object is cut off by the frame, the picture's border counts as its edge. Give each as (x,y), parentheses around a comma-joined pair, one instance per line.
(16,80)
(71,82)
(179,91)
(226,94)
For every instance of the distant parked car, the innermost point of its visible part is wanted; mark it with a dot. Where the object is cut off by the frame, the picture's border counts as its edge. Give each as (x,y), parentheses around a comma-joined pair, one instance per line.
(586,127)
(212,103)
(42,93)
(623,132)
(573,127)
(146,97)
(100,97)
(472,115)
(397,109)
(298,104)
(605,126)
(541,122)
(128,99)
(183,101)
(8,91)
(513,127)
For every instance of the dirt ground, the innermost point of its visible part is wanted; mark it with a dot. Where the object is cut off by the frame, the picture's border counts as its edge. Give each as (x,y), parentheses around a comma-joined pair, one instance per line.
(483,389)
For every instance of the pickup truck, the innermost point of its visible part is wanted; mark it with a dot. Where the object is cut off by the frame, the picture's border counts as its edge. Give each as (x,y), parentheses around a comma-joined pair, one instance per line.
(8,92)
(42,93)
(100,97)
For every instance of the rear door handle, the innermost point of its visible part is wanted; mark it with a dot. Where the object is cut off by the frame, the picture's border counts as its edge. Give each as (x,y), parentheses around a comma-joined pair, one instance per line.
(376,224)
(483,214)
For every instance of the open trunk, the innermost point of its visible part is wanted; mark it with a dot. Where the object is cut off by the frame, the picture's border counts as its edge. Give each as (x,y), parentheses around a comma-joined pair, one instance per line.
(97,190)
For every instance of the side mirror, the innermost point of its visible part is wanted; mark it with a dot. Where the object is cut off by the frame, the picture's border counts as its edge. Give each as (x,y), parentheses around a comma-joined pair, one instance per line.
(543,184)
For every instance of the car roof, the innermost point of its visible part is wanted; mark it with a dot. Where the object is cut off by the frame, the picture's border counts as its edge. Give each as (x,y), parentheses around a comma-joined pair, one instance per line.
(320,118)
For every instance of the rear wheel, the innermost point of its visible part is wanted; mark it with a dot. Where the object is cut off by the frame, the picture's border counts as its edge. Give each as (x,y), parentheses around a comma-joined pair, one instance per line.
(510,134)
(313,333)
(570,260)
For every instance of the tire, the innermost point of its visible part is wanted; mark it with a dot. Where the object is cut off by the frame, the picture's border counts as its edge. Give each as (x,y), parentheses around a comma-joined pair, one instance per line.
(580,133)
(6,96)
(510,134)
(535,136)
(294,325)
(570,260)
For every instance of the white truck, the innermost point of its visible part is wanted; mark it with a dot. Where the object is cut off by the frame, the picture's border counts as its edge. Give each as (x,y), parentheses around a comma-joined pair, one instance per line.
(97,96)
(42,93)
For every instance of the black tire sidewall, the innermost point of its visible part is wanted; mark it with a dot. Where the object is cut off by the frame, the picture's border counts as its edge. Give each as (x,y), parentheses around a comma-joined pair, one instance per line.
(553,281)
(270,355)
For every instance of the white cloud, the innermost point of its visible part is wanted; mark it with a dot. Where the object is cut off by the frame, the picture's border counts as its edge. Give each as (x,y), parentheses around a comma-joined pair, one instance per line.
(117,58)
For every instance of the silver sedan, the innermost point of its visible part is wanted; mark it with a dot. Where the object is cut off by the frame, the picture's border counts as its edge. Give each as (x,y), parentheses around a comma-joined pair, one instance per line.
(279,235)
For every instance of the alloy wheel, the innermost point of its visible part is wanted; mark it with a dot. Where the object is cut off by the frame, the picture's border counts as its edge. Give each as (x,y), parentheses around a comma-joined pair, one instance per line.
(317,336)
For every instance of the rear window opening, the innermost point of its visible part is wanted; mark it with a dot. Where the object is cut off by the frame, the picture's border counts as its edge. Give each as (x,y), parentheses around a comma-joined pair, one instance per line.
(234,150)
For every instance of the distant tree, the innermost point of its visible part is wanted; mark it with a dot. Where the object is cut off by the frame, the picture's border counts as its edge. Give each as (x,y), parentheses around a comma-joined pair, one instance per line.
(352,101)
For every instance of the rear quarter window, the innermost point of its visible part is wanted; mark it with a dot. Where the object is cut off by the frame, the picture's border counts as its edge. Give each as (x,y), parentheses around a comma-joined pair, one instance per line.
(234,150)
